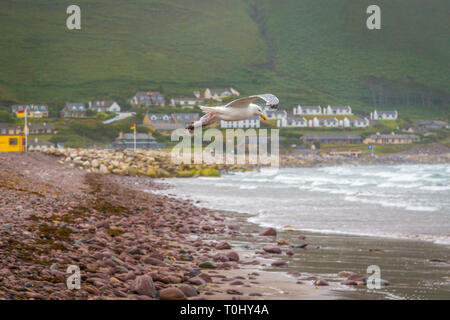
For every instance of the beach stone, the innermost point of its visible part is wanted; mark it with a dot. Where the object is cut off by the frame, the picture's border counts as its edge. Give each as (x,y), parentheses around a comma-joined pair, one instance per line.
(272,249)
(102,224)
(143,285)
(301,237)
(321,282)
(294,273)
(255,294)
(357,277)
(207,265)
(268,232)
(233,291)
(205,277)
(233,256)
(236,283)
(349,283)
(300,246)
(189,291)
(279,263)
(290,253)
(197,281)
(193,273)
(223,246)
(345,274)
(153,261)
(171,294)
(282,242)
(114,281)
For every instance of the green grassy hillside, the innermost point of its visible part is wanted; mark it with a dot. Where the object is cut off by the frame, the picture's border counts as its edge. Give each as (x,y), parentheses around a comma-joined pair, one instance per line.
(307,52)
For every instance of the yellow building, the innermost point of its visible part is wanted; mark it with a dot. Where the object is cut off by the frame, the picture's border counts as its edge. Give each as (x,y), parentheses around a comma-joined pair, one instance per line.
(12,142)
(11,138)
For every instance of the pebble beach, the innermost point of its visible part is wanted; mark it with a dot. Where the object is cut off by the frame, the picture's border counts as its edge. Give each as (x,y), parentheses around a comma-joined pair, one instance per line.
(135,244)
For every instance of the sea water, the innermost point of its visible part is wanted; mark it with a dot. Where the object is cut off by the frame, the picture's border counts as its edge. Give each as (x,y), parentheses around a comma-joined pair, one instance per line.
(398,201)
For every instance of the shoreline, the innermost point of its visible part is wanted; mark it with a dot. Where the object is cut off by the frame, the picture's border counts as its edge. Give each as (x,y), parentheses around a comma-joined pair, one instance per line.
(132,244)
(398,252)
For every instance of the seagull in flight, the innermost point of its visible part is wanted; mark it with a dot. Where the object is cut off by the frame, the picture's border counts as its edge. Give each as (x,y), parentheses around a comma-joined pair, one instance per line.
(240,109)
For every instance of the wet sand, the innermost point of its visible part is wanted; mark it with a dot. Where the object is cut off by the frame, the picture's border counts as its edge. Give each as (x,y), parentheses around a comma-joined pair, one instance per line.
(415,269)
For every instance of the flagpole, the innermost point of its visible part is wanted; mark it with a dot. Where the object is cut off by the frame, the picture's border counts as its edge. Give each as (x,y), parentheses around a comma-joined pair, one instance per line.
(134,137)
(26,131)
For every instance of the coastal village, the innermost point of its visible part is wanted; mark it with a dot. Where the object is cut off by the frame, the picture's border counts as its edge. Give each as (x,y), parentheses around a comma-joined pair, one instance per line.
(330,129)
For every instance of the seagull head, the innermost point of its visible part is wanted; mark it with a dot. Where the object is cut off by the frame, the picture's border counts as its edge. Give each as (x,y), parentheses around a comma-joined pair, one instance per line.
(258,111)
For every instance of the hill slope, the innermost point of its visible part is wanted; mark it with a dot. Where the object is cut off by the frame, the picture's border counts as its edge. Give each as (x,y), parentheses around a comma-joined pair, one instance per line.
(307,52)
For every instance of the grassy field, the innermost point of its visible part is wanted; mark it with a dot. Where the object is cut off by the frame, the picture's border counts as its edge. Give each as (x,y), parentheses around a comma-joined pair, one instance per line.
(307,52)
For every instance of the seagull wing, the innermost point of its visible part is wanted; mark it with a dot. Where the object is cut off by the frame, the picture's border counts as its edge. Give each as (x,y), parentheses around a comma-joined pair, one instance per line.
(204,121)
(271,101)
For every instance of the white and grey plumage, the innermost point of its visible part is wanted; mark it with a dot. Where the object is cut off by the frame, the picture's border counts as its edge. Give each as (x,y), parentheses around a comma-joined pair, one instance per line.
(240,109)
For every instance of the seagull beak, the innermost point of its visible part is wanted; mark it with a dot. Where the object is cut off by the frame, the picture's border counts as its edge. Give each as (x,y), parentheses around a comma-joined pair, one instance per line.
(263,116)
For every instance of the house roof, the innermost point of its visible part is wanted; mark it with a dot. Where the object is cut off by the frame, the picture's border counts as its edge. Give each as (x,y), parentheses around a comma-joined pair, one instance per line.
(295,118)
(75,106)
(160,117)
(331,136)
(390,136)
(29,107)
(102,103)
(340,107)
(140,136)
(185,117)
(393,112)
(188,98)
(4,125)
(323,120)
(353,120)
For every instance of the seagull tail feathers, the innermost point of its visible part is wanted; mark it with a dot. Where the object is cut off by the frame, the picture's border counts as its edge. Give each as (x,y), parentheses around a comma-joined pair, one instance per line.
(207,109)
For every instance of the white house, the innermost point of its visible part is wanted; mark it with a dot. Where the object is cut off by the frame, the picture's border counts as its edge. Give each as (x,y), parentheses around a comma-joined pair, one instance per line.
(292,122)
(253,122)
(148,98)
(354,122)
(306,110)
(276,114)
(323,122)
(103,106)
(186,102)
(347,110)
(384,115)
(218,94)
(328,122)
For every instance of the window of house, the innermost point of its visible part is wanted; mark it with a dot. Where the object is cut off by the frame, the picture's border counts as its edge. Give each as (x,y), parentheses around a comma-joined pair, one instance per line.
(13,141)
